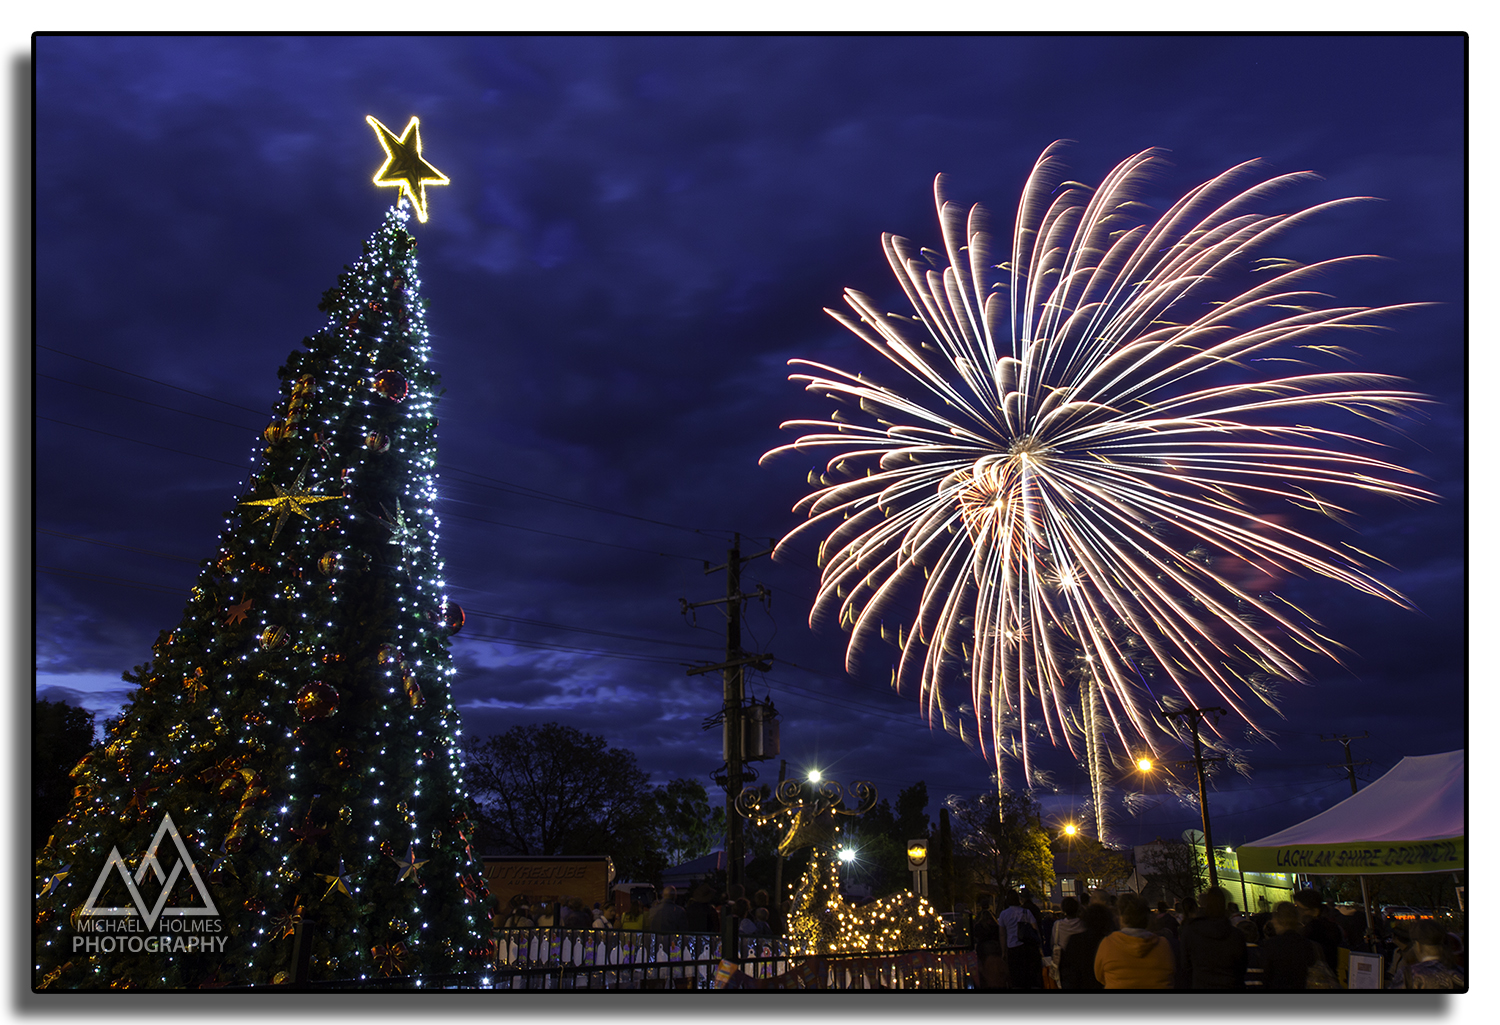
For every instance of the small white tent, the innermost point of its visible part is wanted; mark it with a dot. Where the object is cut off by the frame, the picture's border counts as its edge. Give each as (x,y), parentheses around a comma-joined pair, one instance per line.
(1410,820)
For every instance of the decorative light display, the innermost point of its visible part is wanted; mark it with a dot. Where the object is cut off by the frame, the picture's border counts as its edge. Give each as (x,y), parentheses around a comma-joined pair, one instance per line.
(820,922)
(231,728)
(405,167)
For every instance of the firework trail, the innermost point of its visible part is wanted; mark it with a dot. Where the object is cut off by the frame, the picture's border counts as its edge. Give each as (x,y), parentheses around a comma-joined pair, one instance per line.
(1090,481)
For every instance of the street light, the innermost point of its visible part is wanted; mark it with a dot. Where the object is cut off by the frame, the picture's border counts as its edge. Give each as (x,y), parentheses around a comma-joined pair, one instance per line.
(1070,830)
(846,858)
(1143,763)
(916,864)
(814,776)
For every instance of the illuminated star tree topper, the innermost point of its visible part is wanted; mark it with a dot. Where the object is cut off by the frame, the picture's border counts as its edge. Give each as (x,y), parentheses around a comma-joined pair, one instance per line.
(405,167)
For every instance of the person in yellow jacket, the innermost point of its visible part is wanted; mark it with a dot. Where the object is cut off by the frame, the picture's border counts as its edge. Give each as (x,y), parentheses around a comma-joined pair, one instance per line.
(1134,957)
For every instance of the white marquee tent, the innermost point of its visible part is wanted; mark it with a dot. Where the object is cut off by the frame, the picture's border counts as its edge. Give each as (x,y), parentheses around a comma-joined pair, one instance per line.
(1409,820)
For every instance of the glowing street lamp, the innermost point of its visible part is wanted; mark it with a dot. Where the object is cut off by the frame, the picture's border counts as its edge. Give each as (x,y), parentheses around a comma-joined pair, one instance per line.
(846,858)
(814,776)
(916,863)
(1144,764)
(1070,830)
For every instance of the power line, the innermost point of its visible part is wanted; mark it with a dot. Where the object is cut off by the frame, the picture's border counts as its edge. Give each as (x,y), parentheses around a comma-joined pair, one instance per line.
(111,544)
(138,441)
(153,380)
(137,584)
(494,482)
(156,405)
(468,611)
(585,630)
(577,650)
(1272,804)
(523,491)
(571,537)
(493,523)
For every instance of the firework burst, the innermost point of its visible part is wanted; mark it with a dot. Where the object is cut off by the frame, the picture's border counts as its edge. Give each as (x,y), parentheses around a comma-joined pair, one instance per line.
(1081,499)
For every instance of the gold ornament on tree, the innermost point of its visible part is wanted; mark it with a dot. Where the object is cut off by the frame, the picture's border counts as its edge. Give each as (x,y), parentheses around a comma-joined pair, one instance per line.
(391,960)
(295,499)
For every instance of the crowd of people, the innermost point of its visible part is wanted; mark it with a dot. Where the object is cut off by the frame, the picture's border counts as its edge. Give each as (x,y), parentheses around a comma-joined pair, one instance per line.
(1104,941)
(1109,941)
(703,911)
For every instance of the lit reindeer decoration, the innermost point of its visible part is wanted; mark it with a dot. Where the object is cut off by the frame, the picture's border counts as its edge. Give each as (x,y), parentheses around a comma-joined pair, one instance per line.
(820,922)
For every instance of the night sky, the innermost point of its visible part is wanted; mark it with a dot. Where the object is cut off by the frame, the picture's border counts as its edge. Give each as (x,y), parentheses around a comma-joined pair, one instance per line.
(639,233)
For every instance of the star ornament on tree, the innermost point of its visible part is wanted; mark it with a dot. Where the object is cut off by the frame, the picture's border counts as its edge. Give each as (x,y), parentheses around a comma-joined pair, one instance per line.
(405,537)
(55,880)
(295,499)
(339,882)
(408,865)
(404,166)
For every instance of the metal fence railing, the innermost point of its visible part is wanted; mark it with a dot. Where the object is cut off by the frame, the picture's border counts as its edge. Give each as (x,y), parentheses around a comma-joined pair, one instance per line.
(610,959)
(538,958)
(595,959)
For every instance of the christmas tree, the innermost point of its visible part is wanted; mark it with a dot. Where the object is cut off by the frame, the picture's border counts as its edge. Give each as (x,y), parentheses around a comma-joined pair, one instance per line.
(292,744)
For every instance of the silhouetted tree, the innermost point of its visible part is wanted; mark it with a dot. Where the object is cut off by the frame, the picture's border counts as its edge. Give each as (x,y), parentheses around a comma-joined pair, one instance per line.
(1102,866)
(687,825)
(1174,865)
(555,790)
(1011,850)
(60,736)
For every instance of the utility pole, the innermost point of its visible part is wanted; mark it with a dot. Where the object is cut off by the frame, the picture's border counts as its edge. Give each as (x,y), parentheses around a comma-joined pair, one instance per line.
(945,861)
(1193,718)
(780,860)
(1349,762)
(733,666)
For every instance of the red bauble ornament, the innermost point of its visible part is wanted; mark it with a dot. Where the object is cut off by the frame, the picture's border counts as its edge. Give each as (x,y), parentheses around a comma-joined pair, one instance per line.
(453,618)
(317,700)
(389,385)
(377,442)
